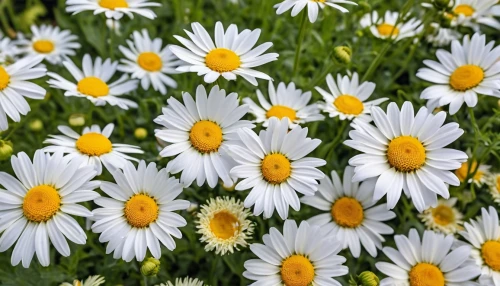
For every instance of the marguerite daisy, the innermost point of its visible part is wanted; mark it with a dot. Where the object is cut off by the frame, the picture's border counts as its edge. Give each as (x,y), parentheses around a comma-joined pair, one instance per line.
(186,281)
(301,256)
(199,133)
(90,281)
(92,83)
(388,26)
(445,217)
(8,49)
(479,178)
(113,8)
(231,55)
(274,166)
(494,186)
(36,207)
(313,7)
(140,212)
(406,151)
(350,213)
(470,13)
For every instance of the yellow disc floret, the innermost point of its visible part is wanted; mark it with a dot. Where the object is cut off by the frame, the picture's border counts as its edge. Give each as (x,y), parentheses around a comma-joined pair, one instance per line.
(224,225)
(281,111)
(93,144)
(93,86)
(406,154)
(276,168)
(386,30)
(206,136)
(347,212)
(491,254)
(443,215)
(349,104)
(222,60)
(43,46)
(425,274)
(464,9)
(113,4)
(41,203)
(297,270)
(464,169)
(150,61)
(141,210)
(4,78)
(466,77)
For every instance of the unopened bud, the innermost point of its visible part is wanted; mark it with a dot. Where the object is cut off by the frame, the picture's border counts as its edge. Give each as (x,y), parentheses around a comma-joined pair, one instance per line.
(5,150)
(150,267)
(36,125)
(441,4)
(76,120)
(140,133)
(342,54)
(368,278)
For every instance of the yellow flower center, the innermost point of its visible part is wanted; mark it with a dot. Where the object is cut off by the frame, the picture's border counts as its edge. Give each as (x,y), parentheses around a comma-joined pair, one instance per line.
(112,4)
(43,46)
(463,171)
(297,270)
(224,225)
(464,9)
(321,1)
(498,183)
(276,168)
(347,212)
(406,154)
(443,215)
(281,111)
(150,62)
(206,136)
(93,86)
(349,104)
(4,78)
(425,274)
(491,254)
(386,30)
(141,210)
(93,144)
(222,60)
(466,77)
(41,203)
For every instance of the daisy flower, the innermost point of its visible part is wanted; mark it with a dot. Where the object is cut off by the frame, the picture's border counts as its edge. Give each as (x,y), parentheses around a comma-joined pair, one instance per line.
(286,101)
(494,186)
(92,146)
(113,9)
(313,7)
(90,281)
(484,236)
(36,206)
(427,262)
(445,217)
(14,87)
(224,225)
(50,42)
(274,166)
(350,213)
(300,256)
(186,281)
(139,214)
(8,49)
(346,98)
(483,171)
(470,13)
(406,151)
(442,36)
(92,83)
(199,134)
(148,61)
(384,27)
(469,69)
(231,55)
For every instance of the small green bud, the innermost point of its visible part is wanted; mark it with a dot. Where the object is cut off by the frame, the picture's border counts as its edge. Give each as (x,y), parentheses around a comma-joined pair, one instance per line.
(150,267)
(441,4)
(76,120)
(5,150)
(36,125)
(368,278)
(140,133)
(342,54)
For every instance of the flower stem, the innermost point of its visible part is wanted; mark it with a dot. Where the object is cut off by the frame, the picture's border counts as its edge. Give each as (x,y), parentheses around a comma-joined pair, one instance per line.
(300,39)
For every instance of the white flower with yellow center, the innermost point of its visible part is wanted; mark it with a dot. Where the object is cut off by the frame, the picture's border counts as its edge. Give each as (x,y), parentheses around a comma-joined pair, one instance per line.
(140,212)
(148,61)
(494,186)
(186,281)
(92,83)
(470,13)
(350,213)
(442,36)
(286,101)
(50,42)
(346,98)
(430,262)
(406,152)
(113,8)
(470,69)
(14,87)
(484,236)
(36,207)
(445,217)
(90,281)
(481,176)
(224,225)
(92,146)
(274,166)
(387,26)
(199,134)
(231,55)
(301,256)
(8,49)
(313,7)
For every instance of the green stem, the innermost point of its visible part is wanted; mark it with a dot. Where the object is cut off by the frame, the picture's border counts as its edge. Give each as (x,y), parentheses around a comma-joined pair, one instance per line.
(111,41)
(212,276)
(322,76)
(299,43)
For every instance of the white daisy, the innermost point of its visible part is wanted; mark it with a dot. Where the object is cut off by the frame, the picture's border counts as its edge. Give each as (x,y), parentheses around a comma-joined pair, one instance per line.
(470,68)
(90,281)
(92,83)
(471,13)
(199,133)
(113,8)
(442,36)
(406,151)
(313,7)
(186,281)
(231,55)
(346,98)
(301,256)
(427,262)
(286,101)
(494,186)
(93,146)
(481,176)
(274,166)
(14,87)
(384,27)
(36,207)
(350,213)
(148,61)
(140,212)
(445,217)
(8,49)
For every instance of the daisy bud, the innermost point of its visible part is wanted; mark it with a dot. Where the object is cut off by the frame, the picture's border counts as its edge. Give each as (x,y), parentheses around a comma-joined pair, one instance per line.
(342,54)
(76,120)
(150,267)
(441,4)
(368,278)
(36,125)
(140,133)
(5,150)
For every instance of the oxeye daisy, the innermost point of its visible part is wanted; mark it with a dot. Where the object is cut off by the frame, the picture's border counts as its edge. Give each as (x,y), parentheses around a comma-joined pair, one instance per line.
(14,87)
(199,134)
(471,68)
(231,55)
(346,98)
(148,61)
(8,49)
(36,206)
(286,101)
(274,166)
(494,186)
(93,146)
(90,281)
(50,42)
(406,152)
(313,7)
(445,217)
(139,214)
(301,256)
(186,281)
(350,212)
(224,225)
(388,26)
(430,261)
(92,83)
(470,13)
(480,176)
(113,9)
